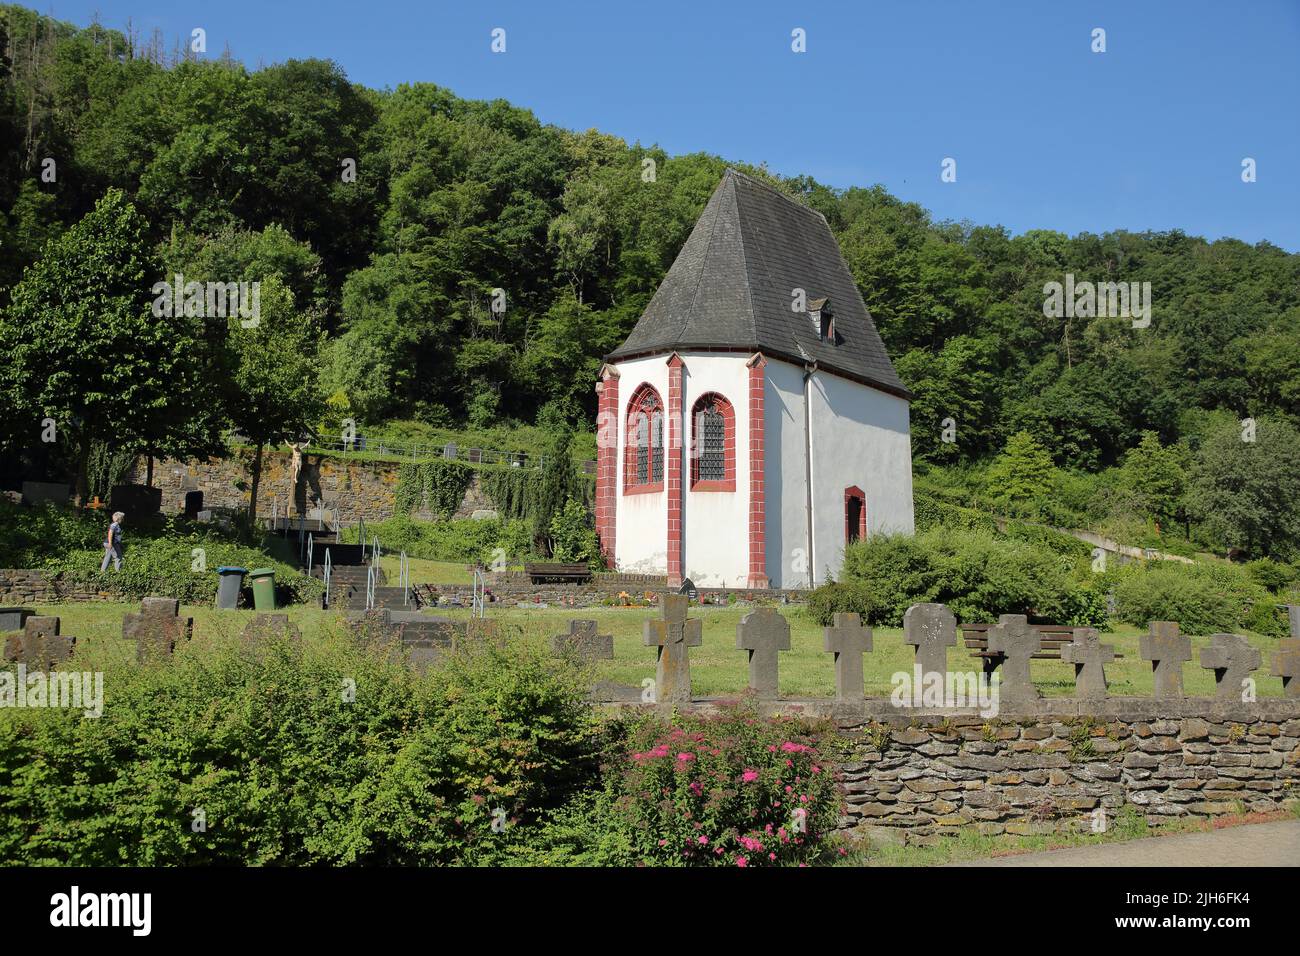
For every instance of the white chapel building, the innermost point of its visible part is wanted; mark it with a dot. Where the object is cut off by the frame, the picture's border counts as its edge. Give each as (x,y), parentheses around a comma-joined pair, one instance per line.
(752,423)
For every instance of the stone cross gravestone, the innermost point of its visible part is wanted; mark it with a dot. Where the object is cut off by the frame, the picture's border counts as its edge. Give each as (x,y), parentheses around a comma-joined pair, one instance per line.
(583,640)
(848,640)
(1166,649)
(1017,642)
(1286,665)
(157,628)
(931,629)
(40,646)
(1089,656)
(267,627)
(673,634)
(764,633)
(1232,658)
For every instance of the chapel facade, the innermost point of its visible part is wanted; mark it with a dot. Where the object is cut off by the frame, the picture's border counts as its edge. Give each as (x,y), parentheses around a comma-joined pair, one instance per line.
(752,424)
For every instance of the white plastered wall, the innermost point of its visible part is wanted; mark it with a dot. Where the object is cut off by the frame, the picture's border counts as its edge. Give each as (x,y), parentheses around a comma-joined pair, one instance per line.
(640,521)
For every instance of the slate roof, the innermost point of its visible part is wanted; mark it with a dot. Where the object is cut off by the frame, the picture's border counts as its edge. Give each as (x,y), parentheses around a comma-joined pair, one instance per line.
(730,288)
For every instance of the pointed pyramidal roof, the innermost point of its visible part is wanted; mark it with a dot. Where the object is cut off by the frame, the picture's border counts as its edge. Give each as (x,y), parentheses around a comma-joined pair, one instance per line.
(732,286)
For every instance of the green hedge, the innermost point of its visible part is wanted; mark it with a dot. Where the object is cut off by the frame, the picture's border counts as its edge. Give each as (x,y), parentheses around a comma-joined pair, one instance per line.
(462,540)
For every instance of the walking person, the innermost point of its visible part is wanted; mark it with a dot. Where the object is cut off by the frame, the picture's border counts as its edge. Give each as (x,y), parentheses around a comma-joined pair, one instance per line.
(113,544)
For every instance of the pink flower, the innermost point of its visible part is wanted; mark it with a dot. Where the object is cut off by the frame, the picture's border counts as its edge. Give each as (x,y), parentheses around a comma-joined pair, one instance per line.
(742,861)
(684,758)
(749,776)
(663,842)
(792,748)
(718,850)
(803,798)
(771,748)
(788,788)
(771,856)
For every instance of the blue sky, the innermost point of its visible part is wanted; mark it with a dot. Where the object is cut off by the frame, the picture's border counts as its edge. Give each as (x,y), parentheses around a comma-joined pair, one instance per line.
(1150,134)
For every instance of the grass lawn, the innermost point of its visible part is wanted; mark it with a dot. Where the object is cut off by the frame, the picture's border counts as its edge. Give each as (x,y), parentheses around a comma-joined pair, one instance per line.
(717,668)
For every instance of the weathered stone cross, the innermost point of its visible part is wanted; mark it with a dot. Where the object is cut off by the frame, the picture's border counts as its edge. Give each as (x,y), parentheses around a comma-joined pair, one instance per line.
(1232,658)
(40,644)
(764,633)
(1166,649)
(673,634)
(1017,642)
(583,640)
(157,628)
(1286,665)
(848,640)
(1089,656)
(931,629)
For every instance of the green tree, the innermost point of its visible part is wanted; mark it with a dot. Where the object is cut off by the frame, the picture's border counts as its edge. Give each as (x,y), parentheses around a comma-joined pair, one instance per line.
(84,347)
(1022,475)
(1157,477)
(1247,492)
(276,394)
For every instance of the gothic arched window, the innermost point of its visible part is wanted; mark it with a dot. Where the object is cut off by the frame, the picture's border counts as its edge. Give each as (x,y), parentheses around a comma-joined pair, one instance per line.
(643,460)
(713,444)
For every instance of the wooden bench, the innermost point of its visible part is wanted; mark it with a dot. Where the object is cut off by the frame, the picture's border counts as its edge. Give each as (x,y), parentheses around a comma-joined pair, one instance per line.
(548,573)
(1054,636)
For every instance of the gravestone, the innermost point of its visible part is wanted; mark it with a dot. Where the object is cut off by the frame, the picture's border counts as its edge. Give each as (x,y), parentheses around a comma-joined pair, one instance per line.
(1166,649)
(688,588)
(1293,619)
(12,618)
(39,645)
(764,633)
(135,501)
(1089,656)
(269,627)
(1286,665)
(583,640)
(673,634)
(931,629)
(1017,642)
(39,492)
(1232,658)
(193,504)
(157,628)
(848,640)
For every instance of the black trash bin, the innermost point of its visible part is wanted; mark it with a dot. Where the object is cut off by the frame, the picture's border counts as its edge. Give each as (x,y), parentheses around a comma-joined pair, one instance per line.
(232,581)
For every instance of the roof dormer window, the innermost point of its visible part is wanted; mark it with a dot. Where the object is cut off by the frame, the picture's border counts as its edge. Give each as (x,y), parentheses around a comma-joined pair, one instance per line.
(819,310)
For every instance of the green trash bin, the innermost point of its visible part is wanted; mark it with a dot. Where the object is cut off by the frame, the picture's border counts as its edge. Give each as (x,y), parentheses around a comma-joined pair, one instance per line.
(263,588)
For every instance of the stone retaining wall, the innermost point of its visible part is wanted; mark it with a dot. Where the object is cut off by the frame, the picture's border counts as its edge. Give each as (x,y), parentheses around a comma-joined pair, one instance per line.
(916,775)
(350,487)
(513,587)
(18,586)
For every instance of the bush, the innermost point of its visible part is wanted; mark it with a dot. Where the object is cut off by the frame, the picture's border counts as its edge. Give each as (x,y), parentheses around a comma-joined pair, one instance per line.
(839,597)
(572,537)
(1273,575)
(977,574)
(159,555)
(709,791)
(288,772)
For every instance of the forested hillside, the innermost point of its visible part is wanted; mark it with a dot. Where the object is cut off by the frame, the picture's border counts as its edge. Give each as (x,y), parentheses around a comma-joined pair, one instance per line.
(247,173)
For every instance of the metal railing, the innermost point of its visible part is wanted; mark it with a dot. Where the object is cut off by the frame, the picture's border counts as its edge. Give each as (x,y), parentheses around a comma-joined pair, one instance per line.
(404,578)
(328,569)
(478,599)
(311,547)
(370,588)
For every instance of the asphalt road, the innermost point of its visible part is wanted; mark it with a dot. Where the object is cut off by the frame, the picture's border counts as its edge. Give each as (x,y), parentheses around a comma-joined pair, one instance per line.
(1257,844)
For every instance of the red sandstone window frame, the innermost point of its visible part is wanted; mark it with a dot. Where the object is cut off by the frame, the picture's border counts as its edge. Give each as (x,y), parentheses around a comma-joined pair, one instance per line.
(854,493)
(714,401)
(645,405)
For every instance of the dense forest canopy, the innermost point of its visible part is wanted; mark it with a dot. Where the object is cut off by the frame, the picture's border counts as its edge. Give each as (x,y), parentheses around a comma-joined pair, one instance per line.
(478,264)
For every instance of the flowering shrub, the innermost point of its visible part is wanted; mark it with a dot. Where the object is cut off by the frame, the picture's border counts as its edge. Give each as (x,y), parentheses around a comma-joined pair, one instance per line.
(732,790)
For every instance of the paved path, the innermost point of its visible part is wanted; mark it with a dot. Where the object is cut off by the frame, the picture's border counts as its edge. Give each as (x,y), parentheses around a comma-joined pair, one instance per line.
(1255,844)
